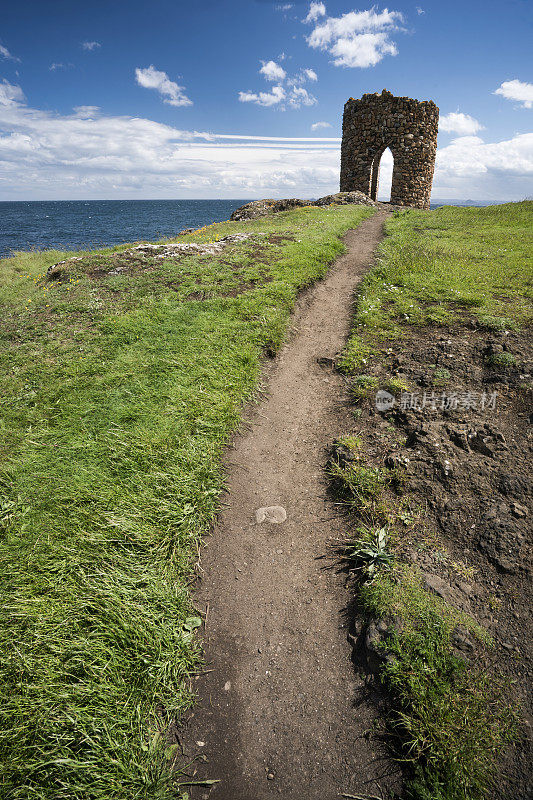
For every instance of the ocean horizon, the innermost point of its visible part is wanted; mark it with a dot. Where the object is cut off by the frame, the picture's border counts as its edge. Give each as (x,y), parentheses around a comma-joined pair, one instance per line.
(93,224)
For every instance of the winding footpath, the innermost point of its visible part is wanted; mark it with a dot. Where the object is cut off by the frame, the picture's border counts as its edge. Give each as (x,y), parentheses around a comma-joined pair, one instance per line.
(282,712)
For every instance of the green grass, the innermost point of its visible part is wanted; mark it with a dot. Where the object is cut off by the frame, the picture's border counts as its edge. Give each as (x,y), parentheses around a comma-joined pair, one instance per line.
(119,394)
(450,718)
(446,267)
(434,269)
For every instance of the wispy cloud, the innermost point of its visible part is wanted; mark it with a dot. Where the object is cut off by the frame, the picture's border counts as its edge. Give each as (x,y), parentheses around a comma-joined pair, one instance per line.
(316,10)
(59,65)
(310,74)
(520,91)
(356,39)
(10,94)
(152,78)
(90,45)
(463,124)
(420,10)
(316,126)
(4,52)
(86,112)
(301,97)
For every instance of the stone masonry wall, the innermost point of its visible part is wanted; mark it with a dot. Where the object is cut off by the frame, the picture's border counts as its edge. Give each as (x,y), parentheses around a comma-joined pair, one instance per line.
(408,127)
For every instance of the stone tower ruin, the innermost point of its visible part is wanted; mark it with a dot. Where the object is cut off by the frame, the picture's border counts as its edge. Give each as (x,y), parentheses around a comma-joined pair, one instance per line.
(408,128)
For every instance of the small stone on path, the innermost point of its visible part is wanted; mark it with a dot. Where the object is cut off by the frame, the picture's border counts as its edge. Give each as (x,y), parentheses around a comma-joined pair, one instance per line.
(272,514)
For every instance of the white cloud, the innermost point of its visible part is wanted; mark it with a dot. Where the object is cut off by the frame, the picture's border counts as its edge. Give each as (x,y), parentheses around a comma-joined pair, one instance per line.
(86,112)
(517,90)
(316,126)
(301,97)
(420,10)
(152,78)
(302,76)
(90,45)
(316,10)
(358,38)
(292,95)
(59,65)
(463,124)
(471,168)
(90,155)
(272,71)
(274,97)
(10,94)
(4,52)
(285,7)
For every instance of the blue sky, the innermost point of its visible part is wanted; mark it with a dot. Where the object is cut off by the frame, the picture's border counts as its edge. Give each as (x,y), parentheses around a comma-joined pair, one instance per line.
(119,100)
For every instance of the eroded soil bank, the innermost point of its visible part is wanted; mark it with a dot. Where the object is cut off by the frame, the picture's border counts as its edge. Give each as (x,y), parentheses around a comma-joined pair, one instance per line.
(281,711)
(460,436)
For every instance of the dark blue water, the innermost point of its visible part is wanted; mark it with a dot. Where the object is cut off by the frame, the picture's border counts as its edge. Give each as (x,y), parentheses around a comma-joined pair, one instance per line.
(78,224)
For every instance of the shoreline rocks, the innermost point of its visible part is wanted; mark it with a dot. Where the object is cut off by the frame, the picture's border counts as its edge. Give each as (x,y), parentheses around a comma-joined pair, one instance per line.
(262,208)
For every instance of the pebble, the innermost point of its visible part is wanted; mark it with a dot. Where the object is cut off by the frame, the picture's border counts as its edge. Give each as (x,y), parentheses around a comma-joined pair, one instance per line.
(273,514)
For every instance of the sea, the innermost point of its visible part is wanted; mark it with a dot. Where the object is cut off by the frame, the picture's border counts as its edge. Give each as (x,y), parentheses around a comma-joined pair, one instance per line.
(81,225)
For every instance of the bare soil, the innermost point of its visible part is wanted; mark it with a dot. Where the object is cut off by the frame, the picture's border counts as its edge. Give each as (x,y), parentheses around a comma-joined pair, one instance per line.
(467,492)
(281,711)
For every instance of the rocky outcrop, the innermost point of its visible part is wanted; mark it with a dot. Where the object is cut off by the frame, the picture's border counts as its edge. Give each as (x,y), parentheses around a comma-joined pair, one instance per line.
(262,208)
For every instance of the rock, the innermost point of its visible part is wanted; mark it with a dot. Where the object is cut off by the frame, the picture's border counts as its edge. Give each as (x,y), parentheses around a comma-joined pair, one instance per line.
(519,510)
(375,656)
(262,208)
(501,537)
(161,251)
(273,514)
(326,361)
(341,455)
(515,485)
(481,444)
(345,198)
(461,639)
(436,584)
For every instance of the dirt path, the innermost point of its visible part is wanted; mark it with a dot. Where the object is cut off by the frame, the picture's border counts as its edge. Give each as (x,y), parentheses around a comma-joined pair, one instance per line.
(282,711)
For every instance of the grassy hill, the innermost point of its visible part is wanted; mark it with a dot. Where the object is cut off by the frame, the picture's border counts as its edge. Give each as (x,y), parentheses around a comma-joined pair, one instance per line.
(123,375)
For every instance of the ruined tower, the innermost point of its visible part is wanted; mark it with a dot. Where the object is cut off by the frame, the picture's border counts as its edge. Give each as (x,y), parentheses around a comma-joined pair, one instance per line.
(408,128)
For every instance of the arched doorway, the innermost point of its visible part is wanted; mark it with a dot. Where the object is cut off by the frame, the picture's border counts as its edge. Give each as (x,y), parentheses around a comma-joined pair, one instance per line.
(381,175)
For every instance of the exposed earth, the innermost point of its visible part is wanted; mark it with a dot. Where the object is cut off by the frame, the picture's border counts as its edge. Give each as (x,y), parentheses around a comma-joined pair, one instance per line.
(461,435)
(281,711)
